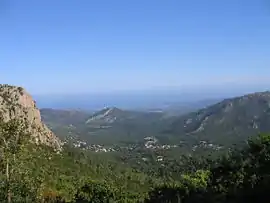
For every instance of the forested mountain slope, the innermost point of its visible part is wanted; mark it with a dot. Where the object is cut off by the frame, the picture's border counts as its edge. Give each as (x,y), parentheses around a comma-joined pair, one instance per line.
(231,120)
(227,122)
(60,117)
(108,126)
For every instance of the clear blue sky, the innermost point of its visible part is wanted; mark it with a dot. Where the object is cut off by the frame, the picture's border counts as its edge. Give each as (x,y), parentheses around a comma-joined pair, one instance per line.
(58,46)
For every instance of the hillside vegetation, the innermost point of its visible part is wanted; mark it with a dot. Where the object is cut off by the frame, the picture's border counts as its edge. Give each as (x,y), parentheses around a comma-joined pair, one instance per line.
(32,173)
(35,172)
(107,126)
(229,121)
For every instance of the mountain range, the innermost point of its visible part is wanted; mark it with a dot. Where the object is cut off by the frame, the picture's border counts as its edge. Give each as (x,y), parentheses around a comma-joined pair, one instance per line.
(230,120)
(226,122)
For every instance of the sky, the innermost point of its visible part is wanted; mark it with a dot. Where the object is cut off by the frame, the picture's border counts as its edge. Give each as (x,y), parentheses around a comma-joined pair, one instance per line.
(90,46)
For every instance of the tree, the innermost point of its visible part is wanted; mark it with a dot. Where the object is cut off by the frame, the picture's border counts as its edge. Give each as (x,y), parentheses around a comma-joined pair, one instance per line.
(12,137)
(96,192)
(190,189)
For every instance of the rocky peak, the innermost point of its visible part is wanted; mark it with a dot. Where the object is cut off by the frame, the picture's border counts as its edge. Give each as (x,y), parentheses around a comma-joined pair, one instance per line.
(16,103)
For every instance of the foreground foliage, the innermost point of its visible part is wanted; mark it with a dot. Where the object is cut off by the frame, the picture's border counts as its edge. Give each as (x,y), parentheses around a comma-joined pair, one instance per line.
(35,173)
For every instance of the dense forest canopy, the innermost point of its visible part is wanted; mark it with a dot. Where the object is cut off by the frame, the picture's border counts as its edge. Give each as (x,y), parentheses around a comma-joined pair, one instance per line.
(36,173)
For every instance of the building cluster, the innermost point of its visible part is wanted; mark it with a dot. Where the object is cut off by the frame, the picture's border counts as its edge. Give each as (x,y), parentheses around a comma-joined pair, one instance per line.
(149,143)
(152,143)
(206,145)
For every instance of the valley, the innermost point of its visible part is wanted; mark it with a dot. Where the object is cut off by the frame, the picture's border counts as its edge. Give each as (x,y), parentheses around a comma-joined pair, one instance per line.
(85,156)
(223,124)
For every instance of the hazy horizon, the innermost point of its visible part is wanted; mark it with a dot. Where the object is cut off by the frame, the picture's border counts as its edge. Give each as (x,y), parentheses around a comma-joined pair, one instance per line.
(157,98)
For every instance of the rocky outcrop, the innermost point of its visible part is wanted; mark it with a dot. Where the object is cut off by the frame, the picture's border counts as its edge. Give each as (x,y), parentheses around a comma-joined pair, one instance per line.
(16,103)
